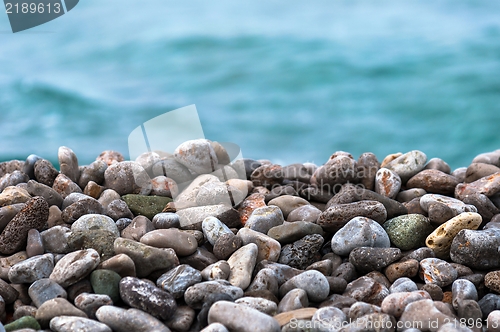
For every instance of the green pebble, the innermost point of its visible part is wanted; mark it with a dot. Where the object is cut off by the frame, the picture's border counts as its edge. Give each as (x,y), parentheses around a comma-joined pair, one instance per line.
(408,231)
(106,282)
(148,206)
(26,322)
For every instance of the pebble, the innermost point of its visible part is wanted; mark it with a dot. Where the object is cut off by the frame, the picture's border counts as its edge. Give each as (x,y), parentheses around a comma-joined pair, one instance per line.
(439,164)
(27,167)
(263,219)
(488,185)
(8,212)
(54,308)
(166,220)
(93,172)
(197,155)
(387,183)
(12,179)
(292,231)
(147,206)
(267,175)
(64,186)
(69,324)
(493,321)
(121,264)
(216,271)
(437,271)
(337,216)
(95,222)
(43,290)
(313,282)
(34,245)
(408,268)
(424,314)
(196,295)
(241,318)
(14,195)
(434,181)
(179,279)
(123,320)
(307,213)
(359,232)
(137,228)
(147,297)
(490,302)
(441,238)
(213,228)
(248,205)
(242,262)
(476,248)
(146,258)
(26,323)
(408,164)
(68,163)
(184,244)
(463,290)
(288,203)
(403,284)
(75,266)
(163,186)
(90,303)
(80,208)
(301,253)
(408,231)
(476,171)
(265,306)
(295,299)
(367,290)
(32,269)
(127,177)
(264,280)
(268,248)
(118,209)
(44,172)
(192,218)
(106,282)
(226,245)
(367,259)
(14,236)
(394,304)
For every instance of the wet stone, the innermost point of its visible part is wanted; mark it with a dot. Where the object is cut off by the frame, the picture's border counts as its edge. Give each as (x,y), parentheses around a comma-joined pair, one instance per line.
(33,216)
(75,266)
(139,227)
(143,295)
(301,253)
(122,320)
(367,259)
(45,289)
(408,231)
(166,220)
(387,183)
(437,271)
(146,258)
(177,280)
(337,216)
(147,206)
(359,232)
(367,290)
(433,181)
(226,245)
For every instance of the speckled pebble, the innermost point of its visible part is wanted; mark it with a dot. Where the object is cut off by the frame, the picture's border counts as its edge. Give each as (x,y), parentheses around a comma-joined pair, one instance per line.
(408,231)
(367,259)
(437,271)
(359,232)
(387,183)
(263,219)
(178,279)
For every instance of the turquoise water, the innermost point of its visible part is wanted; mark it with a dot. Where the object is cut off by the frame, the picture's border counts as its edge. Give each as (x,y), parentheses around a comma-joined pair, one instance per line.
(288,81)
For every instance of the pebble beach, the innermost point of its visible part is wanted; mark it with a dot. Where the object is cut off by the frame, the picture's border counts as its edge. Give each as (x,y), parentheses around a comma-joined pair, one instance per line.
(195,241)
